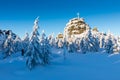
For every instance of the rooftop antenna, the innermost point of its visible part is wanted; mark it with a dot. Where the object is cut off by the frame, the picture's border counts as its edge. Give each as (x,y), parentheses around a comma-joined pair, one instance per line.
(78,15)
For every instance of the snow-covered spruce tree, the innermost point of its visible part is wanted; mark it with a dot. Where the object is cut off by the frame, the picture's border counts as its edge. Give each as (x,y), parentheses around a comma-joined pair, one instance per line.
(102,40)
(8,45)
(115,46)
(109,43)
(89,43)
(45,48)
(64,48)
(60,43)
(2,40)
(99,36)
(25,43)
(17,45)
(56,42)
(34,54)
(51,40)
(83,46)
(71,47)
(118,43)
(77,44)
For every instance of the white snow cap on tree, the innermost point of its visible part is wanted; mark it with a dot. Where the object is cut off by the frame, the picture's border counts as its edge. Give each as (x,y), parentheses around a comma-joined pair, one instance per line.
(25,43)
(10,35)
(17,44)
(51,39)
(35,27)
(36,23)
(26,38)
(43,34)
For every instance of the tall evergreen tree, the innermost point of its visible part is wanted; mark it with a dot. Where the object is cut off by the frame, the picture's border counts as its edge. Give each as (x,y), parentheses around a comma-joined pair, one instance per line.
(64,48)
(83,47)
(70,47)
(25,43)
(34,55)
(2,40)
(89,43)
(45,48)
(17,44)
(77,44)
(8,45)
(51,40)
(109,44)
(102,40)
(60,43)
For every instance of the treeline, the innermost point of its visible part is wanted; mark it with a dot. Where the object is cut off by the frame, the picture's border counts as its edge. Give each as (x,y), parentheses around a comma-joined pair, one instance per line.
(37,48)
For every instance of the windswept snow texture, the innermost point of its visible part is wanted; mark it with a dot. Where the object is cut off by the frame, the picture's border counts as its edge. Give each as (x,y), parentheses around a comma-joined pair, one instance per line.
(90,66)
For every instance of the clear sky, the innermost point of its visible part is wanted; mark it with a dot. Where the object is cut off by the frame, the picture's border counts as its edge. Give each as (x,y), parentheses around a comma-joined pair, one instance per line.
(19,15)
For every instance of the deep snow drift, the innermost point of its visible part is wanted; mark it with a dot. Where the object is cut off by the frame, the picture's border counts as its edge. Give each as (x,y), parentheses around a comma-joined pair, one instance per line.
(90,66)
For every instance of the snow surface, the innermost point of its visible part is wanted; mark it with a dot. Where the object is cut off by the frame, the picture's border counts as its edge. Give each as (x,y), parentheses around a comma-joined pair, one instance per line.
(89,66)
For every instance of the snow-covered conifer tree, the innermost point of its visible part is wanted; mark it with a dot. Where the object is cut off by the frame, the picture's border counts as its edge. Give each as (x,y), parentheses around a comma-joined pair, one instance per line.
(109,44)
(2,40)
(33,54)
(8,45)
(77,44)
(83,47)
(25,43)
(17,44)
(60,43)
(51,40)
(118,43)
(89,43)
(102,40)
(115,47)
(115,44)
(64,48)
(70,47)
(45,48)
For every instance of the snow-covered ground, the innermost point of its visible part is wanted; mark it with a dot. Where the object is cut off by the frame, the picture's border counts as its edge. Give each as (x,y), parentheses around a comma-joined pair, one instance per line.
(90,66)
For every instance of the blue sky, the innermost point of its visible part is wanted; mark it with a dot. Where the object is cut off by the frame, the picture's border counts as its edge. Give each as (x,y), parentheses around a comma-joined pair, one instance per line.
(19,15)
